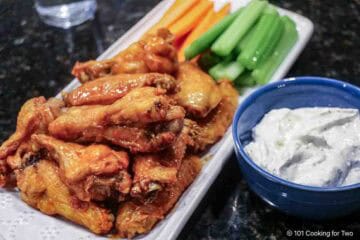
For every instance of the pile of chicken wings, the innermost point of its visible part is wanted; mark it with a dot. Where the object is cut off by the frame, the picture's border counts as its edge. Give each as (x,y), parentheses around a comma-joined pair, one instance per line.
(115,154)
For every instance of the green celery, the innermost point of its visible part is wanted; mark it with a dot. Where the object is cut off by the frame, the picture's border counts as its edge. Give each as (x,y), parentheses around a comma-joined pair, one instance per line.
(248,56)
(204,41)
(263,73)
(226,43)
(226,70)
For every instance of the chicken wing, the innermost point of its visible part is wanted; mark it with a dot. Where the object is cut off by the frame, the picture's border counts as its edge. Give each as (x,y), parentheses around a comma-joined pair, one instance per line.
(84,168)
(198,92)
(41,188)
(153,171)
(209,130)
(154,53)
(151,138)
(138,216)
(34,116)
(4,173)
(141,106)
(108,89)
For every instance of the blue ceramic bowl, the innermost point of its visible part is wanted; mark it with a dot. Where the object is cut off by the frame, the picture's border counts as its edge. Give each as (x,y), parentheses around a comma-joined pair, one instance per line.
(292,198)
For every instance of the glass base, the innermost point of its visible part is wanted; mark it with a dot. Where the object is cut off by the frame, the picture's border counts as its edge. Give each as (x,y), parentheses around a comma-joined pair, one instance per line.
(67,15)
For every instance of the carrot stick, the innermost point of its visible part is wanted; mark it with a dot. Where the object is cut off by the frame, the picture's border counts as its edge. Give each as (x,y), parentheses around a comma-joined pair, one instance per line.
(188,21)
(210,19)
(177,10)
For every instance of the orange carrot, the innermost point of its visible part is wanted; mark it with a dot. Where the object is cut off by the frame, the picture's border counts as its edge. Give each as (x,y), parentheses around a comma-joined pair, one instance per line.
(177,10)
(210,19)
(188,21)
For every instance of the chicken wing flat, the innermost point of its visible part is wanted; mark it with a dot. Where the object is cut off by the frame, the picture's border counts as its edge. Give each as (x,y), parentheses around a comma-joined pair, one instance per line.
(93,172)
(150,138)
(41,188)
(138,216)
(209,130)
(141,105)
(153,171)
(198,92)
(34,116)
(108,89)
(154,53)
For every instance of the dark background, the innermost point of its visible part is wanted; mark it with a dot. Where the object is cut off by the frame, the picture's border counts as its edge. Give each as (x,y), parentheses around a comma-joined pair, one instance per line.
(36,59)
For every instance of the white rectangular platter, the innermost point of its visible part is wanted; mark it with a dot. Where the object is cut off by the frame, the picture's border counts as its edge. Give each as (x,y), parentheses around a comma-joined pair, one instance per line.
(19,221)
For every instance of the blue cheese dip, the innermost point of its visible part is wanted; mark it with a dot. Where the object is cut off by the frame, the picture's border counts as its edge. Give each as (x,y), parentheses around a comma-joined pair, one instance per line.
(310,146)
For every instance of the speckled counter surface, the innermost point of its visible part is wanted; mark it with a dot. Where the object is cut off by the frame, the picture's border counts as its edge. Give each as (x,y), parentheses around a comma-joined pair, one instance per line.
(36,59)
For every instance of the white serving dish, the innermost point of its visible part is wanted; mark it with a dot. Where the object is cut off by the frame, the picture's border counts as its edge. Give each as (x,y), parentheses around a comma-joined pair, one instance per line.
(18,221)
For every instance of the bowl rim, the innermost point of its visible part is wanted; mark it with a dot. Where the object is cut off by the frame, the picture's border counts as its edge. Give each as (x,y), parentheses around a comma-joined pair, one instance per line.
(302,80)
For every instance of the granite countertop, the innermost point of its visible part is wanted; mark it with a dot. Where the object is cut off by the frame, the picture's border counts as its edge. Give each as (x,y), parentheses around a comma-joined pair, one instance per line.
(36,59)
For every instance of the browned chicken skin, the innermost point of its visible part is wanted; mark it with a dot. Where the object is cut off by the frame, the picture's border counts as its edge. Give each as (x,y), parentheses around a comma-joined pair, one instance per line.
(198,92)
(209,130)
(150,138)
(34,116)
(154,53)
(108,89)
(41,188)
(74,161)
(138,216)
(83,169)
(141,105)
(153,171)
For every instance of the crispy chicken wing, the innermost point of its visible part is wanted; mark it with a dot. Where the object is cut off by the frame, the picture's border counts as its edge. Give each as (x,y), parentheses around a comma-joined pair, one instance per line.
(198,92)
(84,168)
(41,188)
(150,138)
(138,216)
(207,131)
(141,106)
(121,138)
(153,171)
(108,89)
(154,53)
(26,154)
(34,116)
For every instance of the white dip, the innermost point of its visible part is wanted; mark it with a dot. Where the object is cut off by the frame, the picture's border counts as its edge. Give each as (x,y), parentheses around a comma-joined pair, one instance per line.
(309,146)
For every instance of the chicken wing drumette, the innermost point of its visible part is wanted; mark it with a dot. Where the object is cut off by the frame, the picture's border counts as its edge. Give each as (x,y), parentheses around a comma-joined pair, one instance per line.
(154,53)
(208,130)
(198,92)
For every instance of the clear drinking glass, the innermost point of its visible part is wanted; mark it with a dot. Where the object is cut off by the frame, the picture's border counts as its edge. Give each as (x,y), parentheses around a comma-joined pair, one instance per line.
(65,13)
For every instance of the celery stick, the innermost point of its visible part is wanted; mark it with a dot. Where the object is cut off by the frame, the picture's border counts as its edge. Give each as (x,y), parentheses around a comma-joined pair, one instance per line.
(245,41)
(267,43)
(264,72)
(262,29)
(273,42)
(243,22)
(217,70)
(204,41)
(233,70)
(245,80)
(208,60)
(226,70)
